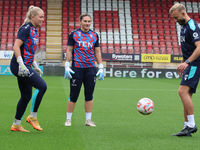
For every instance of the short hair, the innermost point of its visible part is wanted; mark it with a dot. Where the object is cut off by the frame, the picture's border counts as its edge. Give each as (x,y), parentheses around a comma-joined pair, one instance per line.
(177,6)
(84,15)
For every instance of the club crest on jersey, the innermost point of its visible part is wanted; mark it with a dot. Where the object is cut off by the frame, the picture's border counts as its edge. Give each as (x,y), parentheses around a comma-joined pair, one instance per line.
(186,76)
(91,35)
(79,33)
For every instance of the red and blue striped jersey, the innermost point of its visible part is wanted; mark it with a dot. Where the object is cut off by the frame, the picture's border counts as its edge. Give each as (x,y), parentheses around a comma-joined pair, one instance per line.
(29,34)
(83,48)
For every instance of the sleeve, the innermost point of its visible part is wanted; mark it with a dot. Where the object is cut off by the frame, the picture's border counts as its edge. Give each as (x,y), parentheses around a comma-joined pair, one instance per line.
(194,31)
(97,42)
(70,39)
(23,33)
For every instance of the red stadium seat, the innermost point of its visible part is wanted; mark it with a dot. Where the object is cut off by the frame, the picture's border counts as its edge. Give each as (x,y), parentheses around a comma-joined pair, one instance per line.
(150,22)
(143,50)
(3,46)
(136,50)
(123,49)
(156,51)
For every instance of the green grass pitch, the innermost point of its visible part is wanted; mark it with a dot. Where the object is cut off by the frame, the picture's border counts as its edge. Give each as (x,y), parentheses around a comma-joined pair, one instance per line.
(119,125)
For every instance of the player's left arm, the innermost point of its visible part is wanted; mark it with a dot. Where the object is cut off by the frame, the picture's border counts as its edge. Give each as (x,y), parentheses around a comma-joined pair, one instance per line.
(97,53)
(196,52)
(100,73)
(192,58)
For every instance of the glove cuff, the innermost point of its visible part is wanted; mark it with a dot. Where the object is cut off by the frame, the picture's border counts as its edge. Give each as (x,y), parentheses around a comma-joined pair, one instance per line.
(20,61)
(34,64)
(67,63)
(100,66)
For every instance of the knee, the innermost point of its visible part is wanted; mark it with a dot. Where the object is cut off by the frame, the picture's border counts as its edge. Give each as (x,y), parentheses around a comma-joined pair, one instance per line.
(43,87)
(182,92)
(88,96)
(72,99)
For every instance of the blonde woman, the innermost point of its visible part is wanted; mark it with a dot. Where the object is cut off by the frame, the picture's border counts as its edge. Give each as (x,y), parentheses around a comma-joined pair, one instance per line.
(22,60)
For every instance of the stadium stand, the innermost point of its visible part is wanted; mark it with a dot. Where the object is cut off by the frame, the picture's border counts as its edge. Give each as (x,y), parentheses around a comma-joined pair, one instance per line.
(54,31)
(153,28)
(70,14)
(12,15)
(124,26)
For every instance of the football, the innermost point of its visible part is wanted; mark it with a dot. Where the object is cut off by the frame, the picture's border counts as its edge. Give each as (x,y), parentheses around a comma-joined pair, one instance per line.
(145,106)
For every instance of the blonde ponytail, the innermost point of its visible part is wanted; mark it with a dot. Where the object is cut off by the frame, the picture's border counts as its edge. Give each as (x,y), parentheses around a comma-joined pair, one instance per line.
(32,11)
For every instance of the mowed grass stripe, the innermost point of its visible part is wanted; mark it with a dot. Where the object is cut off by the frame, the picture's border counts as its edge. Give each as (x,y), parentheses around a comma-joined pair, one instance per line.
(119,124)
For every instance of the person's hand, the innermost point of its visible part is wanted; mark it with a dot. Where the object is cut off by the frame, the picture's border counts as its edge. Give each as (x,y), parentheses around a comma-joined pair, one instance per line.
(68,71)
(23,70)
(181,68)
(36,68)
(100,73)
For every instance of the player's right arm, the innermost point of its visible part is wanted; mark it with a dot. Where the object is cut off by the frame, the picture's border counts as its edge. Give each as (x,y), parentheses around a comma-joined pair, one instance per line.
(182,61)
(180,68)
(69,53)
(22,35)
(16,47)
(68,70)
(23,71)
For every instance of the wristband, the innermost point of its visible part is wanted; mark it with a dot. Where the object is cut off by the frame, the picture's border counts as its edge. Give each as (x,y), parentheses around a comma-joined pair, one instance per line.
(20,61)
(67,63)
(100,66)
(34,64)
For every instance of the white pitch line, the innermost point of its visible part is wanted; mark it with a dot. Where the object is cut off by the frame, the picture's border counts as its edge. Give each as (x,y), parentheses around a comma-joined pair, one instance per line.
(121,89)
(135,89)
(107,89)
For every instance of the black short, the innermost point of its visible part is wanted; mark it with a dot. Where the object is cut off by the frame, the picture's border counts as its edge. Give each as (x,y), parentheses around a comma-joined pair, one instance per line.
(191,77)
(87,76)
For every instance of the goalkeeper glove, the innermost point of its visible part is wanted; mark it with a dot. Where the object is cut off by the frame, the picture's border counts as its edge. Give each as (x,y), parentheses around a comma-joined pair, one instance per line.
(36,68)
(68,71)
(100,73)
(23,71)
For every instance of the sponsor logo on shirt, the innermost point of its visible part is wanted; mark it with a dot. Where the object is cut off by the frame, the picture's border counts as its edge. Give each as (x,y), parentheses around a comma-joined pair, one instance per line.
(27,26)
(85,44)
(195,35)
(182,38)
